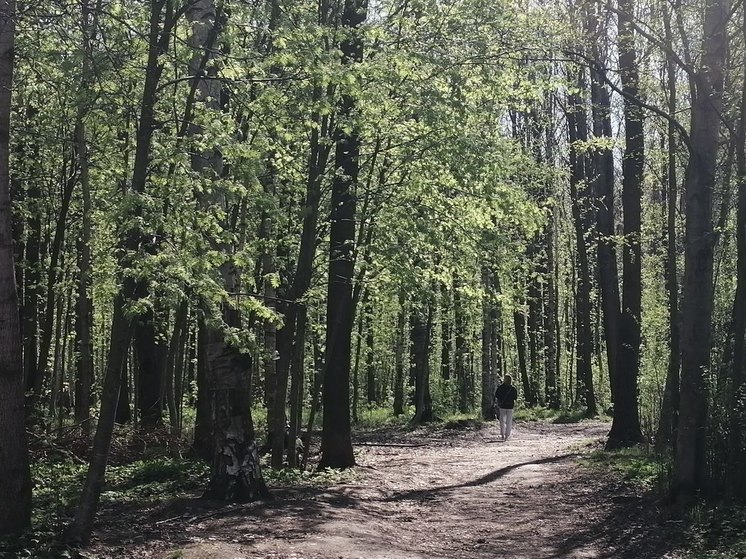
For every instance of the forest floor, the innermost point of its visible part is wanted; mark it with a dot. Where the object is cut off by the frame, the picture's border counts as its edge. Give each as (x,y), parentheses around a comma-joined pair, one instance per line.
(430,493)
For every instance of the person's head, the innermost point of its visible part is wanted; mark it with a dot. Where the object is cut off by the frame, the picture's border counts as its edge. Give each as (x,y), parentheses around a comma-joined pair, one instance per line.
(507,380)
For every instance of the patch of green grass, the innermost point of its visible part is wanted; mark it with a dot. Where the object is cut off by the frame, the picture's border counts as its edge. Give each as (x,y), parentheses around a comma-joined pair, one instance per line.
(302,478)
(539,413)
(153,480)
(636,465)
(376,417)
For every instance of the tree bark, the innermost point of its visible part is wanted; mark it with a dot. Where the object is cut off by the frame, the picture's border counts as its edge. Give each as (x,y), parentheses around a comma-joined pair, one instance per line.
(625,428)
(736,457)
(336,443)
(399,349)
(696,329)
(578,173)
(420,339)
(15,476)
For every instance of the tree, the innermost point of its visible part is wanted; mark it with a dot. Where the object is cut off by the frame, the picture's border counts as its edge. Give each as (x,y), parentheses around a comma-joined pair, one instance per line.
(625,429)
(336,445)
(15,476)
(696,328)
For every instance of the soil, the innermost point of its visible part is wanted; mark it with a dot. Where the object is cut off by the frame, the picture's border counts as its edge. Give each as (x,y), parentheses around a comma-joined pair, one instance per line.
(458,493)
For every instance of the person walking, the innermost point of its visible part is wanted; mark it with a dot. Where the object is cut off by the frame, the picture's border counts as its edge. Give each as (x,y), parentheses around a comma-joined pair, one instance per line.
(505,396)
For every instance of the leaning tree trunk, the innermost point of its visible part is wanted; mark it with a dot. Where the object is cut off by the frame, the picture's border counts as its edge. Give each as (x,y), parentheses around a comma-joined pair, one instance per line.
(625,428)
(696,328)
(15,477)
(79,531)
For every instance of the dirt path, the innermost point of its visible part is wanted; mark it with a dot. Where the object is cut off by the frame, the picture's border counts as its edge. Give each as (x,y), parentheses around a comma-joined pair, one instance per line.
(464,494)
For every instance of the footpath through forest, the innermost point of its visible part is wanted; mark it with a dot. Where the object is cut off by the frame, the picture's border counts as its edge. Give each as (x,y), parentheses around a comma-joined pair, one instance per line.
(449,493)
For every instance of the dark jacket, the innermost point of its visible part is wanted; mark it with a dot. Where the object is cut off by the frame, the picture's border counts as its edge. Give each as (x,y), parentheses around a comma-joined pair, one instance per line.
(506,395)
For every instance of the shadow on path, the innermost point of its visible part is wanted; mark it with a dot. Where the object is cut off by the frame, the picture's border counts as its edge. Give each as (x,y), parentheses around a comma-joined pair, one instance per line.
(489,478)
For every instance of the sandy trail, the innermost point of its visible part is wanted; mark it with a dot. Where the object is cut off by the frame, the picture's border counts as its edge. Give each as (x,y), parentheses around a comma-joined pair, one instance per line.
(463,494)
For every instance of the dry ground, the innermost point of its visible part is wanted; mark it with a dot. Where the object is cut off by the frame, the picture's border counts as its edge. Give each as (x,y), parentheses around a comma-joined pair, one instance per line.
(451,494)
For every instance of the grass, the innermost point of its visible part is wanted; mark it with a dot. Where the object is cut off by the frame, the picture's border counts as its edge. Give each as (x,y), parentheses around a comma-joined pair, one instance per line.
(636,465)
(575,415)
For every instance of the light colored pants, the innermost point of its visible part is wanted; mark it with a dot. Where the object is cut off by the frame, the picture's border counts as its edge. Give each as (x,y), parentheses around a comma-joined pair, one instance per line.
(506,422)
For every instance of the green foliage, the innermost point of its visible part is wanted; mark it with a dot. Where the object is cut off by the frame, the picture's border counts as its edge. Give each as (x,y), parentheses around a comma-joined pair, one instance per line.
(716,533)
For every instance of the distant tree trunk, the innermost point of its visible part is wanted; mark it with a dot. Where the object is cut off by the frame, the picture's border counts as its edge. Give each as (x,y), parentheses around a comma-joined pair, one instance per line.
(578,172)
(46,332)
(370,367)
(445,334)
(15,477)
(401,326)
(487,344)
(297,382)
(670,404)
(336,443)
(460,369)
(123,413)
(32,288)
(174,368)
(535,334)
(550,321)
(519,323)
(84,305)
(696,330)
(420,339)
(203,428)
(150,369)
(625,428)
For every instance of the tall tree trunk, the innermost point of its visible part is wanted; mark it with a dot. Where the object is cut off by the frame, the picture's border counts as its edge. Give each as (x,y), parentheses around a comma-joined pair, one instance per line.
(420,339)
(519,324)
(550,321)
(336,443)
(445,334)
(488,331)
(735,465)
(401,326)
(603,186)
(625,429)
(84,305)
(696,329)
(459,326)
(670,404)
(15,477)
(578,173)
(32,288)
(235,473)
(370,366)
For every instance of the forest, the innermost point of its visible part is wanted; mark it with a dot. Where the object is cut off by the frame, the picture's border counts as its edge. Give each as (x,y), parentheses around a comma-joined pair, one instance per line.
(236,236)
